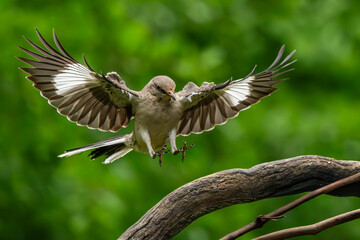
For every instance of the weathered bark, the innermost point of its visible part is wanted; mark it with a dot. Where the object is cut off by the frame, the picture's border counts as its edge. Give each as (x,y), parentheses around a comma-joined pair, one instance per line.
(222,189)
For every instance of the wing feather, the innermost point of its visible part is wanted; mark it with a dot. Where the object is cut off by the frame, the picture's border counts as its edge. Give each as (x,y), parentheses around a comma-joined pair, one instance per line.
(211,104)
(76,91)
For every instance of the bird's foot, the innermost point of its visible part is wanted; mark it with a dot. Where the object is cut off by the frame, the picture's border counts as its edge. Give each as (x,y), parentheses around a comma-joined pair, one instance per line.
(183,149)
(160,153)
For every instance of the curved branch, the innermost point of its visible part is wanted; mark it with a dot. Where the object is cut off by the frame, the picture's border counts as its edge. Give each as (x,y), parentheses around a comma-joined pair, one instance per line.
(222,189)
(313,228)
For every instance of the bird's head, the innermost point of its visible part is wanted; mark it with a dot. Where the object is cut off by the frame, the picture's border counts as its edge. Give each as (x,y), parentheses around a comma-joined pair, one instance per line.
(162,87)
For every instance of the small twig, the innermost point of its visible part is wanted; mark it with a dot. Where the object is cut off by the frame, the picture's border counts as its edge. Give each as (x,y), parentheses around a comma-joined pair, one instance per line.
(274,218)
(261,220)
(313,228)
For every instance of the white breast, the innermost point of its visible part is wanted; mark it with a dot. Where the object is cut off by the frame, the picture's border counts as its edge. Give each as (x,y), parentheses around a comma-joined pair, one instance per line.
(158,118)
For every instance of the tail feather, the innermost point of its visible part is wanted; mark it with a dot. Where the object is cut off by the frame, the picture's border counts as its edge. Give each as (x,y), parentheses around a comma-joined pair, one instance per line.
(113,148)
(117,155)
(106,150)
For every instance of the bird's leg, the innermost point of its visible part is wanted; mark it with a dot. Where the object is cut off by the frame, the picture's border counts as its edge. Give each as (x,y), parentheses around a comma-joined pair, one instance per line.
(161,152)
(174,149)
(172,140)
(146,138)
(183,149)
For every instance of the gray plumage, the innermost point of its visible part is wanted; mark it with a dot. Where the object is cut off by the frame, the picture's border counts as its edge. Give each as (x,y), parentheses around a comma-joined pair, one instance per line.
(160,114)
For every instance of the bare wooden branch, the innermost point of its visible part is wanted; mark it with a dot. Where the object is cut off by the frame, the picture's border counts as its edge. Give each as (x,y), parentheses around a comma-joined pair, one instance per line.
(312,229)
(207,194)
(261,220)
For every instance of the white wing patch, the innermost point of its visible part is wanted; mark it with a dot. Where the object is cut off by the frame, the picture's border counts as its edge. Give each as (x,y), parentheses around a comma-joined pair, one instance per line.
(73,76)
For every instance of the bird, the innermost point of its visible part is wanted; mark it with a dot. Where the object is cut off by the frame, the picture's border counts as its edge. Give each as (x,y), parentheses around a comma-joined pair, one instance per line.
(160,114)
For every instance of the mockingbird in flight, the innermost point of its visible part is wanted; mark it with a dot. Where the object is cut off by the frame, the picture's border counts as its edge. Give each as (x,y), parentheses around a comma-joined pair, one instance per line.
(160,114)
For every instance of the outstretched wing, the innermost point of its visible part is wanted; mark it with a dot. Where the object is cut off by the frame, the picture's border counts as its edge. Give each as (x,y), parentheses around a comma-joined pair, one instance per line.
(78,92)
(210,104)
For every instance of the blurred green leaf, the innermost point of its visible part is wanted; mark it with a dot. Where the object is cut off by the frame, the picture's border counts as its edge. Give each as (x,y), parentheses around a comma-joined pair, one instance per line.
(315,112)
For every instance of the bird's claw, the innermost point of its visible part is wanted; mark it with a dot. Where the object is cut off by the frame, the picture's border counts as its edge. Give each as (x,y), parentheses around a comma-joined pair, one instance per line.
(161,152)
(183,149)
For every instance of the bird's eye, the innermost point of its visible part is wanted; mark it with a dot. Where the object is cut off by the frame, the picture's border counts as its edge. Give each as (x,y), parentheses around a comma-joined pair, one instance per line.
(160,89)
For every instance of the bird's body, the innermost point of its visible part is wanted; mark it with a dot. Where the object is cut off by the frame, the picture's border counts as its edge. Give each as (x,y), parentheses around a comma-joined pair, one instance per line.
(158,126)
(160,113)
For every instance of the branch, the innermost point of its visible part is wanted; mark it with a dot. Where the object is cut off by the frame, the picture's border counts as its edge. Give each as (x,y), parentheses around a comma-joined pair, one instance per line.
(222,189)
(261,220)
(312,229)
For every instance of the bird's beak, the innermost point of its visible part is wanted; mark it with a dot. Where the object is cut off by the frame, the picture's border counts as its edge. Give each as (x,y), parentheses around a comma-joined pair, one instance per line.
(172,95)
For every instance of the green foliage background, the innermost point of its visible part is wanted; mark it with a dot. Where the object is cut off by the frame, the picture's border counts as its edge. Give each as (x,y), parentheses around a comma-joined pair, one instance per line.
(317,111)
